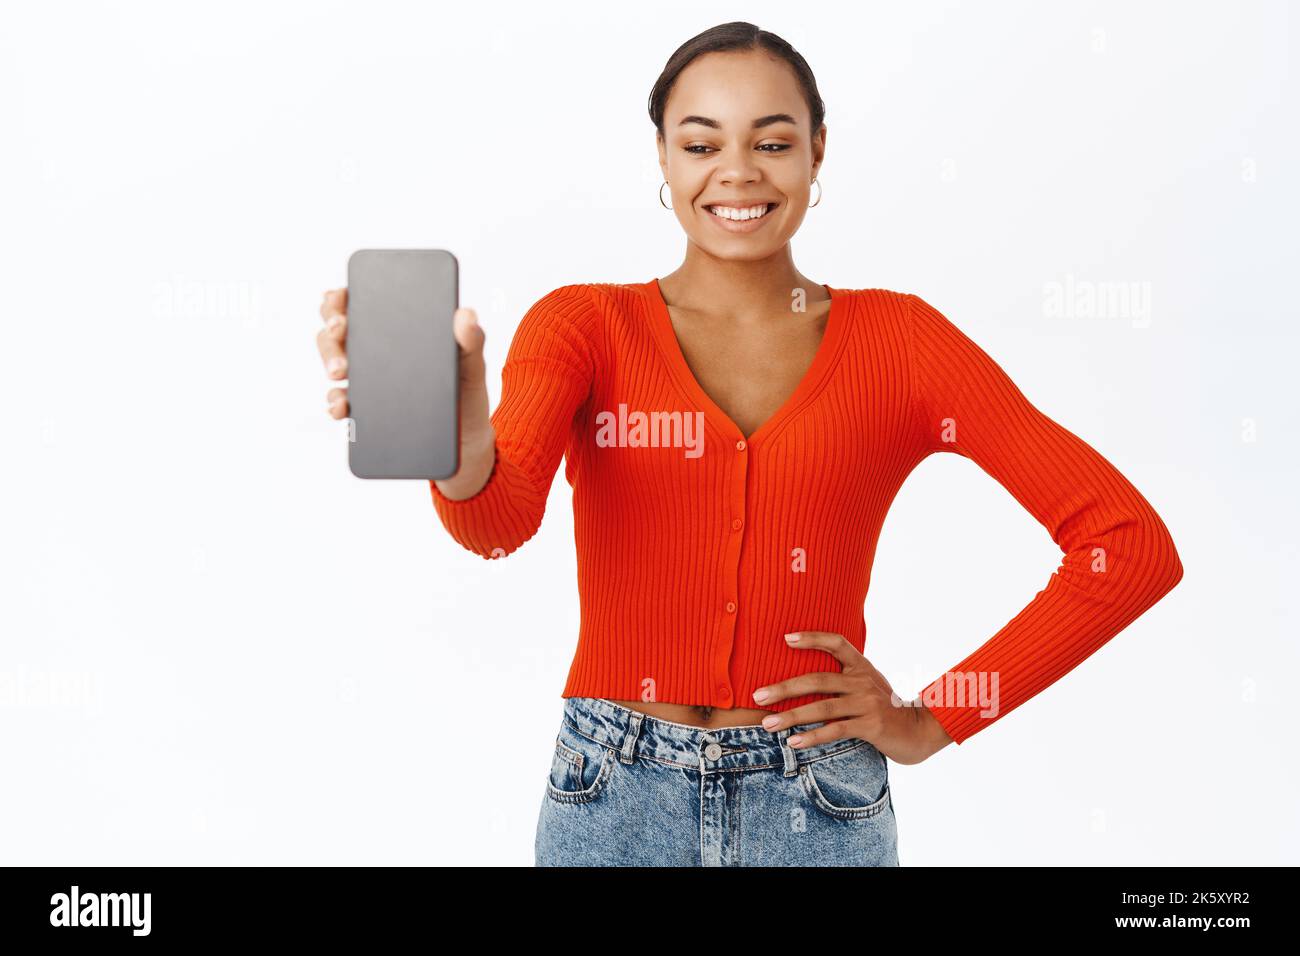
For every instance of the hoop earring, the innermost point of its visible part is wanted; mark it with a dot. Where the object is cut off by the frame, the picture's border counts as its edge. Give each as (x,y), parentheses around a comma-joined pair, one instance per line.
(819,193)
(661,195)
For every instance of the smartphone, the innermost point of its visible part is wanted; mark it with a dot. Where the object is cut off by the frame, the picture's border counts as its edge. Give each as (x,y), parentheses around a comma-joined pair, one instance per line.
(403,364)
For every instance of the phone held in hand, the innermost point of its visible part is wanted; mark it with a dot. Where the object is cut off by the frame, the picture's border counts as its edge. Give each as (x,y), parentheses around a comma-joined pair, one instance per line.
(403,364)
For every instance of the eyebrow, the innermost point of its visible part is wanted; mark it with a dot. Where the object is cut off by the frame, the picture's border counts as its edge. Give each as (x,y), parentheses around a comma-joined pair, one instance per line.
(757,124)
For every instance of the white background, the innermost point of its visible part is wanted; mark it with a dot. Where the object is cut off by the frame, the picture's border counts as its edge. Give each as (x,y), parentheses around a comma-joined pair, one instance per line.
(217,646)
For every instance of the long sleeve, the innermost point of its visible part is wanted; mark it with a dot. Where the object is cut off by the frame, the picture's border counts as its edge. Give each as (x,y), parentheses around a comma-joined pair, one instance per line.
(1119,557)
(546,378)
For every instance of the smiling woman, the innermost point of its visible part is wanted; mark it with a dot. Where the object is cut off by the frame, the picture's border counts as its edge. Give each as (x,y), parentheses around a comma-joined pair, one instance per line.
(719,708)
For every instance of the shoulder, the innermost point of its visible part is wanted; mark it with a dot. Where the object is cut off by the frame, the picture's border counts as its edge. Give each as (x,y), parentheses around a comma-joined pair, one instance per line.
(903,319)
(592,302)
(567,309)
(618,298)
(560,325)
(877,299)
(571,300)
(877,311)
(917,313)
(596,310)
(878,294)
(615,307)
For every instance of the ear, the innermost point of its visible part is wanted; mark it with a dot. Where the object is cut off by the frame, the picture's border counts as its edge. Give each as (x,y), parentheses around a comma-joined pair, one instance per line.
(818,149)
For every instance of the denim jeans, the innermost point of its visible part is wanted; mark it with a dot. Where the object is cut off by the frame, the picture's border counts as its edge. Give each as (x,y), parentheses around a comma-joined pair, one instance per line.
(626,789)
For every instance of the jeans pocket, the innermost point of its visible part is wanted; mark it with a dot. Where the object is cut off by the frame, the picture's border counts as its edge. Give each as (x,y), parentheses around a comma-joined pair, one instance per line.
(852,784)
(580,767)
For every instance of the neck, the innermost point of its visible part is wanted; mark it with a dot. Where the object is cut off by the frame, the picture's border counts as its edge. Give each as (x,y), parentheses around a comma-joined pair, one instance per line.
(738,288)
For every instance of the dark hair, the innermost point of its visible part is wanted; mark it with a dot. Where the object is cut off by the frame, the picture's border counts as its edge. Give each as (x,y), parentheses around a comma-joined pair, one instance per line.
(737,35)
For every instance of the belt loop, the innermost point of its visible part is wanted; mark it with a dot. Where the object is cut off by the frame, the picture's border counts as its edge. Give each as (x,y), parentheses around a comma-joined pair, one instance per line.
(630,736)
(787,752)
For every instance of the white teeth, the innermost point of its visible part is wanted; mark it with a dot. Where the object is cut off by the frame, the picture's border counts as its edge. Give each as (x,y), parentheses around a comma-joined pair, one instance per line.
(739,215)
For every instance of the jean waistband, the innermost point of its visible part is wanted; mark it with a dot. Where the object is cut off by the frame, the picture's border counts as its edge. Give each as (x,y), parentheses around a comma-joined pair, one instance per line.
(723,749)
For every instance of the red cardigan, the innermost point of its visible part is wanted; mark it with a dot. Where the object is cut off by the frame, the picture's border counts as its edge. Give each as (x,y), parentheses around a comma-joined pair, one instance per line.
(698,548)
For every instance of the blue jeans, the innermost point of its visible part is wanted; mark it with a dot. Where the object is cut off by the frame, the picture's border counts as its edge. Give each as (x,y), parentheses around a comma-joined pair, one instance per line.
(626,789)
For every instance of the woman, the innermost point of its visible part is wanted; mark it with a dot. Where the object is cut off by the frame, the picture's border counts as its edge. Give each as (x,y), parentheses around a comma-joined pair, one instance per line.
(734,433)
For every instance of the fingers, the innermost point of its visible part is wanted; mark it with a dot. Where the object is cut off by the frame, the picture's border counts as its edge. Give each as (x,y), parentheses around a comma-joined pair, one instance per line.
(335,300)
(819,710)
(331,340)
(470,338)
(836,645)
(336,326)
(337,402)
(332,355)
(840,717)
(851,659)
(835,730)
(847,681)
(818,682)
(475,419)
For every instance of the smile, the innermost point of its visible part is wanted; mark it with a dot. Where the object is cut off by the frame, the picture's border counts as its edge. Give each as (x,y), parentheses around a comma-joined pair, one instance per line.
(743,219)
(743,214)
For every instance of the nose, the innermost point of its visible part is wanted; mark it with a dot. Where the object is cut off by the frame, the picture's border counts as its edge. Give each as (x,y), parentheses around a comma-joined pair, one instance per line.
(738,167)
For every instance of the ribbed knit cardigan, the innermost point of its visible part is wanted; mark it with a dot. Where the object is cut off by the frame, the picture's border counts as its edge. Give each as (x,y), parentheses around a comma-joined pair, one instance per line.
(699,547)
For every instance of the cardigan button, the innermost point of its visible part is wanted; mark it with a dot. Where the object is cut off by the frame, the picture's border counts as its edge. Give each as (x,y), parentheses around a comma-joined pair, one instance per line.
(731,607)
(740,445)
(736,524)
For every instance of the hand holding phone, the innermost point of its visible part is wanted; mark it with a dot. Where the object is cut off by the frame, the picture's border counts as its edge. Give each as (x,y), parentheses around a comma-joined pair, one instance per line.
(407,374)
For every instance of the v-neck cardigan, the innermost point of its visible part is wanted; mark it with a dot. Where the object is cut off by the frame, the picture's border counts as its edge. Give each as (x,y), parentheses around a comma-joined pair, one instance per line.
(699,548)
